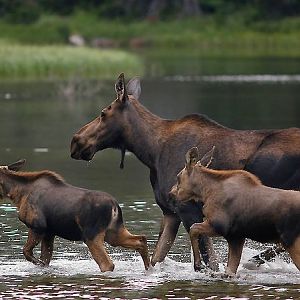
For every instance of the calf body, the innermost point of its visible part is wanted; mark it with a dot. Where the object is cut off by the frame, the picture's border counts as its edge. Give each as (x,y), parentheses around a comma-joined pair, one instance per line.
(50,207)
(236,205)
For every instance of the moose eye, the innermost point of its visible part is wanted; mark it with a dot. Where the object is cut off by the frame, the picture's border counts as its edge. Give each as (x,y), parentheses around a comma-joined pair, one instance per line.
(102,114)
(109,107)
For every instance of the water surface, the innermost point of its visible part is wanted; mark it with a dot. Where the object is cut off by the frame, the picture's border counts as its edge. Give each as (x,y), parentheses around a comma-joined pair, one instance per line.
(37,122)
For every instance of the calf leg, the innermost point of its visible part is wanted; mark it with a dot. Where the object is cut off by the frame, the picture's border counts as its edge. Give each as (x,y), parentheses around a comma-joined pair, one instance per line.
(197,230)
(127,240)
(191,213)
(234,255)
(47,249)
(294,251)
(32,241)
(167,235)
(96,247)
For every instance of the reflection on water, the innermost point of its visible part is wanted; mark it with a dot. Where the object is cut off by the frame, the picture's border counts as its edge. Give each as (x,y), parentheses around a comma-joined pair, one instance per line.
(37,124)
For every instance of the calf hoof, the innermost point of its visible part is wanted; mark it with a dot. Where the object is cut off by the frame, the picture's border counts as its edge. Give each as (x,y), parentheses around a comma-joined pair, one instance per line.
(108,268)
(228,274)
(39,262)
(198,267)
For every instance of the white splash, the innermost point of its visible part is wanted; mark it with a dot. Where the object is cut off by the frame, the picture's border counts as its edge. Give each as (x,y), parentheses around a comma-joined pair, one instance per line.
(131,269)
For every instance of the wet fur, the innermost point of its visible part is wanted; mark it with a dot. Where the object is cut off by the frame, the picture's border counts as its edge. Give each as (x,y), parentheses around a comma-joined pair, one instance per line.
(50,207)
(236,205)
(272,155)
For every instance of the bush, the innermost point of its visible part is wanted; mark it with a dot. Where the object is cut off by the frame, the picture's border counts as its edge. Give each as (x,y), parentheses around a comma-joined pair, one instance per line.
(20,12)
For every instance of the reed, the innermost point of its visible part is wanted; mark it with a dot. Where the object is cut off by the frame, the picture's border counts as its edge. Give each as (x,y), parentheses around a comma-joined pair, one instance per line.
(57,62)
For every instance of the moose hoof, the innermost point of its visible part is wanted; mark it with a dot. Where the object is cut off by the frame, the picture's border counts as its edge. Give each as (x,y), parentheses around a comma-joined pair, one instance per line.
(39,262)
(199,267)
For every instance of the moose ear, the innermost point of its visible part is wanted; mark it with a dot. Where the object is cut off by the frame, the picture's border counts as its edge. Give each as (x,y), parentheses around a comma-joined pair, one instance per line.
(121,89)
(207,159)
(191,158)
(17,165)
(134,88)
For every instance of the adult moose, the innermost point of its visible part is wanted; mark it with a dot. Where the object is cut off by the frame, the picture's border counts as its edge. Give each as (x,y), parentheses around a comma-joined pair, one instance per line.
(272,155)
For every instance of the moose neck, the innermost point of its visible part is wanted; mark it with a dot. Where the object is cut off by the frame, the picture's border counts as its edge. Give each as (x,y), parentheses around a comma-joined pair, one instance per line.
(204,185)
(144,135)
(15,188)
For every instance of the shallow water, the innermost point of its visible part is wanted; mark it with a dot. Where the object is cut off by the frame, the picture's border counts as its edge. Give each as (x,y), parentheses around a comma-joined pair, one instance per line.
(38,120)
(73,273)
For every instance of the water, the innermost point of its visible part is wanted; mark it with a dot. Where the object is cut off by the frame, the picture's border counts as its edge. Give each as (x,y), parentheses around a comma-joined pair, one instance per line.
(37,122)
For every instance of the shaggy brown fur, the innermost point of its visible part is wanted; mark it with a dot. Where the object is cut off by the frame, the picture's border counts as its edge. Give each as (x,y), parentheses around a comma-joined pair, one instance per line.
(125,124)
(50,207)
(236,205)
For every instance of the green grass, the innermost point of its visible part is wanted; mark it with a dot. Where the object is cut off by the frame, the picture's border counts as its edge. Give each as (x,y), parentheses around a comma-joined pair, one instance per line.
(39,50)
(205,33)
(53,62)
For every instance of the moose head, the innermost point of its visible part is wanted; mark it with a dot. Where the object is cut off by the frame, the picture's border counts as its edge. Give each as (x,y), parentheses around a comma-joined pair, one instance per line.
(187,182)
(16,166)
(108,129)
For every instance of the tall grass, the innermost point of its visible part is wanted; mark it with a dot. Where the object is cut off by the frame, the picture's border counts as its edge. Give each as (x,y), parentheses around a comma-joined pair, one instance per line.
(32,62)
(206,32)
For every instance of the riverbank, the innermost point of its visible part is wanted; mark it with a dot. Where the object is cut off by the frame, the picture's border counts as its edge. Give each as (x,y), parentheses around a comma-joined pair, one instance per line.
(41,49)
(205,33)
(59,62)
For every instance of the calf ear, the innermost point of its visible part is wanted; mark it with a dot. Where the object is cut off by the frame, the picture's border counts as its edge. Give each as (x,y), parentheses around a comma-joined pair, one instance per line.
(134,88)
(121,89)
(207,159)
(191,158)
(17,165)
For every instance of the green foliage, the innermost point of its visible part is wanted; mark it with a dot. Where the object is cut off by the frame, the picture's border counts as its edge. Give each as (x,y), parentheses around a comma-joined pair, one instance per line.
(198,33)
(28,11)
(20,12)
(32,62)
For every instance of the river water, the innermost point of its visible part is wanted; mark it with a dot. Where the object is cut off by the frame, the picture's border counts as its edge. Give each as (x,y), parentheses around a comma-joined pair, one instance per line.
(38,120)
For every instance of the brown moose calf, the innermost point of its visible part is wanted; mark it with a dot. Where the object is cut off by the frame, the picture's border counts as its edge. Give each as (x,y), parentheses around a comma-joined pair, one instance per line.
(50,207)
(237,206)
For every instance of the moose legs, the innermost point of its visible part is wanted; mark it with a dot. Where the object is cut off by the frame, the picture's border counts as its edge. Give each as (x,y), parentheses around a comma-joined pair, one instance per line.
(47,249)
(99,254)
(235,248)
(191,213)
(33,240)
(294,251)
(122,237)
(168,231)
(196,230)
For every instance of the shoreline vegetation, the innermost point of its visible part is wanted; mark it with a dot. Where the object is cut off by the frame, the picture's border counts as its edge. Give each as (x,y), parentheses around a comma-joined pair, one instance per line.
(42,50)
(30,62)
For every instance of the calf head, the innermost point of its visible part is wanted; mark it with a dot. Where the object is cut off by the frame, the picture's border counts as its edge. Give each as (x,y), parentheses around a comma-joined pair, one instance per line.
(106,131)
(16,166)
(189,178)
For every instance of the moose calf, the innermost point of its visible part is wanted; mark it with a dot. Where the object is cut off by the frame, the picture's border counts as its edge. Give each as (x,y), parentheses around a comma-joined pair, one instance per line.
(237,206)
(50,207)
